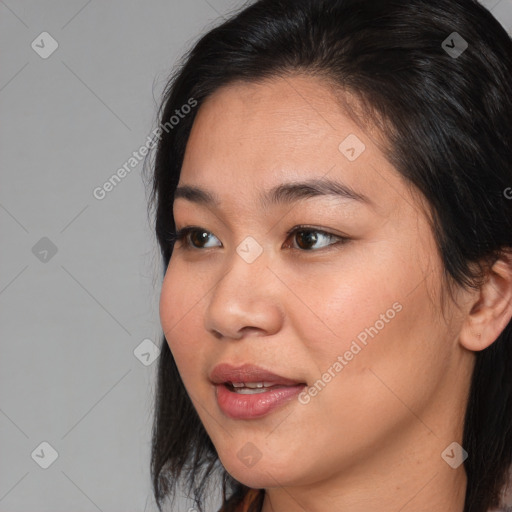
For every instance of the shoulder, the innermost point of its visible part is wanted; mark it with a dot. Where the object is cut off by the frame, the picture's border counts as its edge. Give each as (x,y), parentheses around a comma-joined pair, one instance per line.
(251,502)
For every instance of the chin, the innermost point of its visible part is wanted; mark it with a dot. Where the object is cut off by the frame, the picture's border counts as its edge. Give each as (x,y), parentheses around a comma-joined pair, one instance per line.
(257,473)
(256,479)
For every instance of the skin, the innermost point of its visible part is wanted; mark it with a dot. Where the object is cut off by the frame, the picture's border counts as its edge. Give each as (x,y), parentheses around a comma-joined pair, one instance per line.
(372,439)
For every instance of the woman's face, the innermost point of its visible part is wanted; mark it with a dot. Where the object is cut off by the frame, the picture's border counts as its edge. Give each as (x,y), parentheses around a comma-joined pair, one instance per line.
(346,307)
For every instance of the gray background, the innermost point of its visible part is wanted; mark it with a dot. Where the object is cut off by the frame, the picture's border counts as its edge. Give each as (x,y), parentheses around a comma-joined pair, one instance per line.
(72,323)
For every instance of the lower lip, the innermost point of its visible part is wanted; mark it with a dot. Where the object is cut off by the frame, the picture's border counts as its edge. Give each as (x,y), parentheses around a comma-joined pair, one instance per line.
(247,407)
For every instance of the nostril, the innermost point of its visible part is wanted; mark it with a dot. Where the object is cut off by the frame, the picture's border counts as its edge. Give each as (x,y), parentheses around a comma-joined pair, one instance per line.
(217,334)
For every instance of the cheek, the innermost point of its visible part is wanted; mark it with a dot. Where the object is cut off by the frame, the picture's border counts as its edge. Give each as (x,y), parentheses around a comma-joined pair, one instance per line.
(169,305)
(179,309)
(374,319)
(332,307)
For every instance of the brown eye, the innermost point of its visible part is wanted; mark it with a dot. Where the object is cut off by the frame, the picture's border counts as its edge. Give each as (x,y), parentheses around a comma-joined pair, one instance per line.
(196,238)
(306,239)
(312,239)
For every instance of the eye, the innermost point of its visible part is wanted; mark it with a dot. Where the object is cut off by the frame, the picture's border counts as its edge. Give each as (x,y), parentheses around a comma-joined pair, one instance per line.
(194,238)
(312,239)
(307,238)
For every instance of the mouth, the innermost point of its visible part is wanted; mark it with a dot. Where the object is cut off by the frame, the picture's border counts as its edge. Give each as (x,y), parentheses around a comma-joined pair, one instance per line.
(249,376)
(252,388)
(249,391)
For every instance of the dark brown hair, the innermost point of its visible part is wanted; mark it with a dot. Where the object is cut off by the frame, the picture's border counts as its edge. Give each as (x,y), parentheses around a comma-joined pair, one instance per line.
(448,125)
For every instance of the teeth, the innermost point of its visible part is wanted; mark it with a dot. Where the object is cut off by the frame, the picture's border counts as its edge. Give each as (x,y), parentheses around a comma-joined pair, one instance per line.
(250,391)
(251,385)
(254,385)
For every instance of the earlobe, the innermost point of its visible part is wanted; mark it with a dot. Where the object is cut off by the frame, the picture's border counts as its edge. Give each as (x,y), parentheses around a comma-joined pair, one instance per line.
(492,310)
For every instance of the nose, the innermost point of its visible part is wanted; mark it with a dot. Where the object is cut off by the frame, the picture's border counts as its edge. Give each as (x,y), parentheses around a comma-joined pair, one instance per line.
(244,300)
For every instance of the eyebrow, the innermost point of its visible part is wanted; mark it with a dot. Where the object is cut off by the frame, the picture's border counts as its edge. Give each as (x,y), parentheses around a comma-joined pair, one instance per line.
(283,193)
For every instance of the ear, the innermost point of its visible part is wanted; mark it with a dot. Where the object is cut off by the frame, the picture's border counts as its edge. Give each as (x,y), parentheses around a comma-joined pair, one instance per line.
(491,309)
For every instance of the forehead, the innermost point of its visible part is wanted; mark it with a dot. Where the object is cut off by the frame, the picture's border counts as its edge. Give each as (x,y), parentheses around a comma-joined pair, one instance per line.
(252,136)
(285,117)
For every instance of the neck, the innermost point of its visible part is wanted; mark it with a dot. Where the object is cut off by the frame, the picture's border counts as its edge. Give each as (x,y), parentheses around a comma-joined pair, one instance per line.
(406,477)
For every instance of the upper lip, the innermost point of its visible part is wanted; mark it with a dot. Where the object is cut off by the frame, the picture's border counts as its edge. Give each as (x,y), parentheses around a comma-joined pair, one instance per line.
(225,372)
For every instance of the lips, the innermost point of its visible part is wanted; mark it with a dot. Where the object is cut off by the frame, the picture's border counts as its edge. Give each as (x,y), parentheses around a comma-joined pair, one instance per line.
(226,374)
(249,392)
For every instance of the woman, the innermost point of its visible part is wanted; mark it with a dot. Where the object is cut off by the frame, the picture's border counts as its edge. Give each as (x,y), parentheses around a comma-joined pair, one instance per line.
(330,192)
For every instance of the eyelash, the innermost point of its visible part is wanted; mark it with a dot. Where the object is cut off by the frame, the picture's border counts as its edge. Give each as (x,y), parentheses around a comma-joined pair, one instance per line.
(182,236)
